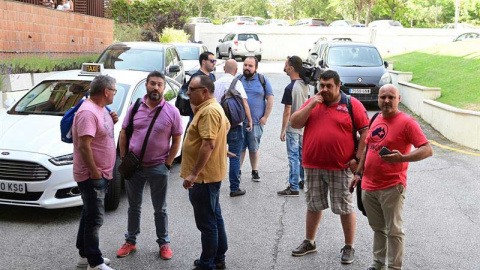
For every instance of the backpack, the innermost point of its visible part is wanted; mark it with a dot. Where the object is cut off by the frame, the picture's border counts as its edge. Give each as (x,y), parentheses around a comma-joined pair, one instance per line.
(232,104)
(183,100)
(67,122)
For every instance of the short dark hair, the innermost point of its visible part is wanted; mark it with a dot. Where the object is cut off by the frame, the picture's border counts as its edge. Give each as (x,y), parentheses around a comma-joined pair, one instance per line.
(207,82)
(204,56)
(254,58)
(330,74)
(155,74)
(295,62)
(99,84)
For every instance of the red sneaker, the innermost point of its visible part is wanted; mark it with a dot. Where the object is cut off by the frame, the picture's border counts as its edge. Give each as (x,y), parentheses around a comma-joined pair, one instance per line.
(125,250)
(165,252)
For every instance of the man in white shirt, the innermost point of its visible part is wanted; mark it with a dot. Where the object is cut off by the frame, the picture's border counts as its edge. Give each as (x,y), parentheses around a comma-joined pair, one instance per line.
(235,134)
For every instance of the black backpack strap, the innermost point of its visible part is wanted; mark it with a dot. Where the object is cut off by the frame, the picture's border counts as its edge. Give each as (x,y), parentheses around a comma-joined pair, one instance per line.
(129,129)
(144,147)
(264,84)
(354,129)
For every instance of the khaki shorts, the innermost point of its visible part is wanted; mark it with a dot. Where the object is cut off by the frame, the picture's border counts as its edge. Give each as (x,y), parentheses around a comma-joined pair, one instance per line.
(319,182)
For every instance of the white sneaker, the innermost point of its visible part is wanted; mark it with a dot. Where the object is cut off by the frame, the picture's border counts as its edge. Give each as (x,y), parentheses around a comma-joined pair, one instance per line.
(83,263)
(102,266)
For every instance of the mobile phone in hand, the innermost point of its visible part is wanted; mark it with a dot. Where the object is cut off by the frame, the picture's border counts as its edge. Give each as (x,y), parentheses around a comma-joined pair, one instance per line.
(385,151)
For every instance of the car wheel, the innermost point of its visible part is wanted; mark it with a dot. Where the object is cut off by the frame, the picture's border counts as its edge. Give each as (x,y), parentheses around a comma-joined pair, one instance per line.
(112,198)
(259,57)
(230,54)
(217,54)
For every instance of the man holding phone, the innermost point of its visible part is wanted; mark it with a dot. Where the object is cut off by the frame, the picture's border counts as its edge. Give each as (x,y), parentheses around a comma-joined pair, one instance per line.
(385,176)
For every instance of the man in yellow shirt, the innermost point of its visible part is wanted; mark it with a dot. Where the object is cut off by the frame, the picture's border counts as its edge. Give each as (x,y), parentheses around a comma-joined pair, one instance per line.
(204,166)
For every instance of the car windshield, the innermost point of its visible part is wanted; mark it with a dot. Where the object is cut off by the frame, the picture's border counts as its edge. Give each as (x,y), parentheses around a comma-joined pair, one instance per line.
(203,20)
(395,23)
(351,56)
(247,19)
(244,37)
(132,59)
(57,97)
(188,52)
(319,22)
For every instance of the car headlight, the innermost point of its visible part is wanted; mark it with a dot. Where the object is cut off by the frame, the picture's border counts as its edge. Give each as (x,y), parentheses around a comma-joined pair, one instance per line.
(62,160)
(385,79)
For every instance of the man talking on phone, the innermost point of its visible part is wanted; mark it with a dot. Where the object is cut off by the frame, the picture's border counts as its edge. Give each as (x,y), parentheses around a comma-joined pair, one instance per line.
(384,167)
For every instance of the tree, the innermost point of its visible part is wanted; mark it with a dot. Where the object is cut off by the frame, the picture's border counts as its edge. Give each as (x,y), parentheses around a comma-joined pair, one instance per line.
(200,5)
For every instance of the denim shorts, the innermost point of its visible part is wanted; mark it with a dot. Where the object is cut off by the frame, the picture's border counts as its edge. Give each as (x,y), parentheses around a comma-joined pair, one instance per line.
(252,138)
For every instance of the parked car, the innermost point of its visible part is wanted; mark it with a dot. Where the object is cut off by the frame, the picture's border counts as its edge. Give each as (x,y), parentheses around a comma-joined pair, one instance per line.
(467,36)
(239,20)
(459,26)
(360,66)
(278,22)
(35,165)
(199,20)
(385,24)
(316,51)
(144,56)
(189,53)
(241,45)
(310,22)
(346,23)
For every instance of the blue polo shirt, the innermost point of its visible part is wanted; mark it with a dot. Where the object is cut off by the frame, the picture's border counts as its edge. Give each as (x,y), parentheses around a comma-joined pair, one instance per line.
(256,96)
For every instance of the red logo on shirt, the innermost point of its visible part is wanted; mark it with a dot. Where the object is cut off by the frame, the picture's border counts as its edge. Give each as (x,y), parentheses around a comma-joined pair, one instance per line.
(378,132)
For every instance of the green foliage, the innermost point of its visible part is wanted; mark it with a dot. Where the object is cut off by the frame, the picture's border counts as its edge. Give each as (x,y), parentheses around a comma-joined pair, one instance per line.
(170,35)
(452,67)
(44,64)
(123,32)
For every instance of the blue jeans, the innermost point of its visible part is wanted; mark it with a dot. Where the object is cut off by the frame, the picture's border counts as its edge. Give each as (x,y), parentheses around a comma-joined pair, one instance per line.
(234,141)
(157,177)
(93,197)
(294,151)
(209,220)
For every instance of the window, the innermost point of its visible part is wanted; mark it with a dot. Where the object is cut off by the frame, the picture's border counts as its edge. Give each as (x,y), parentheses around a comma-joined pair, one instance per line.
(133,59)
(354,56)
(171,91)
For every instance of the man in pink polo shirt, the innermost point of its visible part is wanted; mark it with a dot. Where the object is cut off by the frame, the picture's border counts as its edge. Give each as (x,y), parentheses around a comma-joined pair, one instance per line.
(93,161)
(385,176)
(329,159)
(155,167)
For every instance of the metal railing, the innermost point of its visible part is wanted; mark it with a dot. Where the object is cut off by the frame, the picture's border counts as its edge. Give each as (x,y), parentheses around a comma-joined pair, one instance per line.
(88,7)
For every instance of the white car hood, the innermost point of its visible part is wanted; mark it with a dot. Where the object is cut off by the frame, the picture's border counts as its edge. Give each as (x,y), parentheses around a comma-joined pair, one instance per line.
(191,64)
(33,133)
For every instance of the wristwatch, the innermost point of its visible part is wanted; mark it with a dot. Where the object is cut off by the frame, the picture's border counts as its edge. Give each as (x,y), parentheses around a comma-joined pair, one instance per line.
(168,166)
(358,173)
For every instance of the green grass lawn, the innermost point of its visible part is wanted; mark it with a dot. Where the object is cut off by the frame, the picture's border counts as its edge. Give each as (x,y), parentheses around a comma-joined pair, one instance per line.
(454,67)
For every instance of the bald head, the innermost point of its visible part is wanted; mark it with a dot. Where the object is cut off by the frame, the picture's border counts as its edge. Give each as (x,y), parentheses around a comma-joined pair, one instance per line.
(230,67)
(388,100)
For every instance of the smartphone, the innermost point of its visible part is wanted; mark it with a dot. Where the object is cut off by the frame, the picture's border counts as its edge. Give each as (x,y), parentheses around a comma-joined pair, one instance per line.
(385,151)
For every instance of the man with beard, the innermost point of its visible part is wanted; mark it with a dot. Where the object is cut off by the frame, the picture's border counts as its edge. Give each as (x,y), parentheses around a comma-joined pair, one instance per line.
(157,159)
(260,100)
(385,176)
(329,159)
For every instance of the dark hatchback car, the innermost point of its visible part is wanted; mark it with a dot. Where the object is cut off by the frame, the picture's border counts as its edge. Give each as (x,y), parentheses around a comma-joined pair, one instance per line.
(144,56)
(360,66)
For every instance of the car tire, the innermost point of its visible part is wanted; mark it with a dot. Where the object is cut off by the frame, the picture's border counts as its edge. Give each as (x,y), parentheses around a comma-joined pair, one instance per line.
(259,57)
(230,54)
(112,198)
(217,54)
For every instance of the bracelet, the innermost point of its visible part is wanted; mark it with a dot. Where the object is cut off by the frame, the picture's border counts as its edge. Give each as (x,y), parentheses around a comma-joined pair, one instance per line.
(168,166)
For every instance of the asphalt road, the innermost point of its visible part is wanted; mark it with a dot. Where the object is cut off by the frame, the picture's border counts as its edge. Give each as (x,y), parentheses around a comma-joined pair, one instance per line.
(441,216)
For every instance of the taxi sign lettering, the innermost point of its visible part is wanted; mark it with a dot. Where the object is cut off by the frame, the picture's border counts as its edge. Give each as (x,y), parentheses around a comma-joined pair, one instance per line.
(92,68)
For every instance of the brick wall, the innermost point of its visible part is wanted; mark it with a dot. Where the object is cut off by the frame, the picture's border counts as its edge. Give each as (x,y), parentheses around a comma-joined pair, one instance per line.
(31,29)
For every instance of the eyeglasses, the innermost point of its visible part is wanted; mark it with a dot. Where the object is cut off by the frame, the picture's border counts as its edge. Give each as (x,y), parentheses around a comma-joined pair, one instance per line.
(191,89)
(114,90)
(213,61)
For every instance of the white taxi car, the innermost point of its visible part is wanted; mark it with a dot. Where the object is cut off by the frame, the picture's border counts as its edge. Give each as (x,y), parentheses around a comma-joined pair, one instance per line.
(35,165)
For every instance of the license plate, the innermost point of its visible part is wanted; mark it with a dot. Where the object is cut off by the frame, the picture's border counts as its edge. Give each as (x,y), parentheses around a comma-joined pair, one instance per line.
(360,91)
(12,187)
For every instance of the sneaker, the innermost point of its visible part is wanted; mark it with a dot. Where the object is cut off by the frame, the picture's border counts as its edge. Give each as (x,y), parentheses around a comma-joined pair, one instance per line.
(165,252)
(348,254)
(304,248)
(255,176)
(288,193)
(301,184)
(125,250)
(218,265)
(102,266)
(83,263)
(239,192)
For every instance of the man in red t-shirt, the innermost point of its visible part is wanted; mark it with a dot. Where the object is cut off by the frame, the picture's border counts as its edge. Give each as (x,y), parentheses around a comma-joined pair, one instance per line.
(385,175)
(329,158)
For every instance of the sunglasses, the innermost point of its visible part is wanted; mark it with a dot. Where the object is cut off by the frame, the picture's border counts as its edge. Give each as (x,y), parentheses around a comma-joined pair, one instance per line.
(213,61)
(191,89)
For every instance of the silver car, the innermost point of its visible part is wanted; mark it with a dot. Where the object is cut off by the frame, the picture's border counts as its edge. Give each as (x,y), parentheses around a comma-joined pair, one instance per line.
(241,45)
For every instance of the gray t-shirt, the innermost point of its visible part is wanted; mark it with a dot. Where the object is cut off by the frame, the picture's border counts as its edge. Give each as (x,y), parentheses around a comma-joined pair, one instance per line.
(296,94)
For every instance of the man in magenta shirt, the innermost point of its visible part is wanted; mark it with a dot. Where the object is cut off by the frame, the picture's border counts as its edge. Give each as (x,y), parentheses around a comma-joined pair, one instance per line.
(155,167)
(385,176)
(329,159)
(93,161)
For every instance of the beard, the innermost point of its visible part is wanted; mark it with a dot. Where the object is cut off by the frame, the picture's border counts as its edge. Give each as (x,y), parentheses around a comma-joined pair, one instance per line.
(154,95)
(248,74)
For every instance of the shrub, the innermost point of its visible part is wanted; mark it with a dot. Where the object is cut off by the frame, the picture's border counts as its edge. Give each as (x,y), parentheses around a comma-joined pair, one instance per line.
(173,35)
(43,64)
(123,32)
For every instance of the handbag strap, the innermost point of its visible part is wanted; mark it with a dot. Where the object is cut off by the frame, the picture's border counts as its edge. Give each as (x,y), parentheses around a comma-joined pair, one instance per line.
(144,147)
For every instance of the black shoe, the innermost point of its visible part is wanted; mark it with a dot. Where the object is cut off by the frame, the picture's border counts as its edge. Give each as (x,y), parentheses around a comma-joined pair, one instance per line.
(255,176)
(301,184)
(348,254)
(218,265)
(288,193)
(304,248)
(239,192)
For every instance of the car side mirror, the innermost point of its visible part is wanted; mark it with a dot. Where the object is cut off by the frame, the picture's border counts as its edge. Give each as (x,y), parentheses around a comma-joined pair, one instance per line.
(314,54)
(385,63)
(220,40)
(174,68)
(321,63)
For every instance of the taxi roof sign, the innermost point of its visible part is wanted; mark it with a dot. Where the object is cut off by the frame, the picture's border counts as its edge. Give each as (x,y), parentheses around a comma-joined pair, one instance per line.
(92,69)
